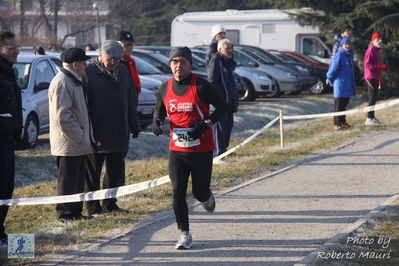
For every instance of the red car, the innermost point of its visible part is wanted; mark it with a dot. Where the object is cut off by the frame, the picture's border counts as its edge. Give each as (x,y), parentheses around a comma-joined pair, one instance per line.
(301,58)
(318,67)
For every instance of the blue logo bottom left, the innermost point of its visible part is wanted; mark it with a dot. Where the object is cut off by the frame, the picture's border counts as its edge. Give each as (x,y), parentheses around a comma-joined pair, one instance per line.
(21,246)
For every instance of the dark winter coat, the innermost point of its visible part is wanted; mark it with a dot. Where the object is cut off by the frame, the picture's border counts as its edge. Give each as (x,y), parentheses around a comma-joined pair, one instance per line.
(212,49)
(112,109)
(10,104)
(220,72)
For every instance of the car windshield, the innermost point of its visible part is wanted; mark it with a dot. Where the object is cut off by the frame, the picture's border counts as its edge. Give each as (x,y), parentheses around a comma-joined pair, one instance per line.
(256,56)
(288,58)
(23,71)
(145,68)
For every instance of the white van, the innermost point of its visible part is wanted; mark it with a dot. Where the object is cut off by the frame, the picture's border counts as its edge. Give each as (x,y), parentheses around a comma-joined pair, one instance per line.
(265,28)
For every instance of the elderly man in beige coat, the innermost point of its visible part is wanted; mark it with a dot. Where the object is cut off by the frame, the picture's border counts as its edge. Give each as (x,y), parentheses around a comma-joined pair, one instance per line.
(70,133)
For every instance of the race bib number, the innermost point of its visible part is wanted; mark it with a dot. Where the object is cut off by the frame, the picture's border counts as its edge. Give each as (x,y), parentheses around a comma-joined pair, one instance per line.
(182,139)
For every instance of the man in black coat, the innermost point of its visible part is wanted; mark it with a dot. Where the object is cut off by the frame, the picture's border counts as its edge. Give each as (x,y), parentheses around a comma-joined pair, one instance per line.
(220,72)
(10,122)
(114,117)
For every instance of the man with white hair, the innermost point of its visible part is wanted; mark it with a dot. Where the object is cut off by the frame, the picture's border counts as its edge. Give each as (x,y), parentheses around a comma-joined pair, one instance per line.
(218,33)
(220,72)
(70,130)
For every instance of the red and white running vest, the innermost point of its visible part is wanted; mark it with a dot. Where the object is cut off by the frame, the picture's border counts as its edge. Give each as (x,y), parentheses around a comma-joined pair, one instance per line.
(182,112)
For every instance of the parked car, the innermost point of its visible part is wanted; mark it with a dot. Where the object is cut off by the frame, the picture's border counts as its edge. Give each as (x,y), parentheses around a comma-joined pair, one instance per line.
(157,56)
(320,69)
(305,73)
(257,83)
(34,74)
(286,79)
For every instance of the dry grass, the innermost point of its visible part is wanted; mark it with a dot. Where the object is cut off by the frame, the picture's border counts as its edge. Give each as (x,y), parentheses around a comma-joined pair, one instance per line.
(147,159)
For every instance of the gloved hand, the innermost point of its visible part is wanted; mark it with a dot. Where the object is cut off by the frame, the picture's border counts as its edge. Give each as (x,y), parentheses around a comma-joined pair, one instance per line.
(198,129)
(383,67)
(156,127)
(135,134)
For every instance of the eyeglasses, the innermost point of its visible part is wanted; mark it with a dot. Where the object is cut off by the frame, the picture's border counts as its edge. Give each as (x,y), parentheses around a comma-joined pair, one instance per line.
(13,48)
(181,61)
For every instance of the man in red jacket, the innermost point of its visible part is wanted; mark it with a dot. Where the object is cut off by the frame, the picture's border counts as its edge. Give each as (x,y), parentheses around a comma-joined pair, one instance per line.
(125,38)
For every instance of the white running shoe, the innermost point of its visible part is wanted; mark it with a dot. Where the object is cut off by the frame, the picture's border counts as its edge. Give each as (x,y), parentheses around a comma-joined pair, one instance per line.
(185,241)
(372,122)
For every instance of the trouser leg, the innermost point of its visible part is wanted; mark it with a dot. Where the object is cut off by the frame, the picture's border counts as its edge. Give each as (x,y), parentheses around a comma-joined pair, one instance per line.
(71,179)
(114,173)
(335,118)
(342,104)
(7,178)
(94,165)
(201,172)
(372,86)
(222,132)
(179,172)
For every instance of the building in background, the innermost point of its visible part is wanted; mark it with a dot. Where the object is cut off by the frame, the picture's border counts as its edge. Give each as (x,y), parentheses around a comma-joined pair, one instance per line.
(66,23)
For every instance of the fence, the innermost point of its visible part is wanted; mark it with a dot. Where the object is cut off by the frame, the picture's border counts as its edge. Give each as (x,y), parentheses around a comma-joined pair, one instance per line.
(130,189)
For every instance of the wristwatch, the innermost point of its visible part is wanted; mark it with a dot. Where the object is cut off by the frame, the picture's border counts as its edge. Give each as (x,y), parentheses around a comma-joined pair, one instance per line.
(208,122)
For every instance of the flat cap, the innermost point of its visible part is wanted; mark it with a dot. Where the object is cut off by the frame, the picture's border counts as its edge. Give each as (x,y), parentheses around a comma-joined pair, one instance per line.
(74,54)
(112,49)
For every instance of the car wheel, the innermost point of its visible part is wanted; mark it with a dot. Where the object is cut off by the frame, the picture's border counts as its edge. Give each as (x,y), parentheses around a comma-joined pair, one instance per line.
(317,88)
(274,93)
(31,133)
(249,92)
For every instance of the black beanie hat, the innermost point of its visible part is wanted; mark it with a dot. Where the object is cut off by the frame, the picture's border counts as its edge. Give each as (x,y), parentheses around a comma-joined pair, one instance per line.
(181,51)
(346,27)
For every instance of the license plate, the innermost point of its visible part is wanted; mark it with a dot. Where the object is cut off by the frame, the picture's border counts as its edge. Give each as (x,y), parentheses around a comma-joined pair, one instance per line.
(146,111)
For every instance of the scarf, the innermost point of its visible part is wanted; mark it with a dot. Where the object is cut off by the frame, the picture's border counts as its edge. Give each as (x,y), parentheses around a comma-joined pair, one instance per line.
(133,72)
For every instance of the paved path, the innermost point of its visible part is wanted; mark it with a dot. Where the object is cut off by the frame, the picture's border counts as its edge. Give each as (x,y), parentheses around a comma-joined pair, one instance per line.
(277,219)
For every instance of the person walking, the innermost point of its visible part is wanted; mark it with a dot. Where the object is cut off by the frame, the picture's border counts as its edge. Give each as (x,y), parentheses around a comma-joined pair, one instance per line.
(114,117)
(10,122)
(372,74)
(341,74)
(185,99)
(70,139)
(218,33)
(220,72)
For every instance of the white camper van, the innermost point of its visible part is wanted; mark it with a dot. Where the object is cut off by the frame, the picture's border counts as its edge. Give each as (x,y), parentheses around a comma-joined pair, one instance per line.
(266,28)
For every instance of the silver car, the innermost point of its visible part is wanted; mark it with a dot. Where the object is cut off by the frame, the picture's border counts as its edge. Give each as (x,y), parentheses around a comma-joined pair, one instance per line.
(34,74)
(286,79)
(256,82)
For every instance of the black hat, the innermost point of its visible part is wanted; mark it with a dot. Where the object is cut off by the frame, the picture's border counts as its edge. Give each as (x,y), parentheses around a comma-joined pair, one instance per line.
(182,51)
(346,27)
(74,54)
(125,37)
